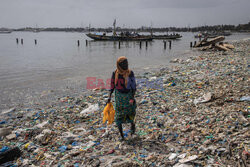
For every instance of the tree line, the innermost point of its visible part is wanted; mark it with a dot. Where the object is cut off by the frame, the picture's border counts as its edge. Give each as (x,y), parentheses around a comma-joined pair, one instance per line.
(236,28)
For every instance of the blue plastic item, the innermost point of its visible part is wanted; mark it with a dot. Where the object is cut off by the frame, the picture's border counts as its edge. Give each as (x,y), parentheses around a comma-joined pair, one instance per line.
(74,143)
(63,148)
(4,148)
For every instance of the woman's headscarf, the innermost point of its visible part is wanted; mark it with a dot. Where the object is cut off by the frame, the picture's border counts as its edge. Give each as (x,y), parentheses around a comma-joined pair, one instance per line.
(119,70)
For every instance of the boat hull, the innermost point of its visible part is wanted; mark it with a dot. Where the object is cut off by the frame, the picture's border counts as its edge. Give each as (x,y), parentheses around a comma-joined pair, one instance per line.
(166,37)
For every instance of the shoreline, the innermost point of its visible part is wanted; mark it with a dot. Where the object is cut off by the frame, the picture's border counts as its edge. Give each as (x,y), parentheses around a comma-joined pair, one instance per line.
(40,88)
(175,125)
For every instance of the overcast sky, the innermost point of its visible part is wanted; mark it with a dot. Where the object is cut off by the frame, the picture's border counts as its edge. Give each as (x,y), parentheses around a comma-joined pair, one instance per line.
(129,13)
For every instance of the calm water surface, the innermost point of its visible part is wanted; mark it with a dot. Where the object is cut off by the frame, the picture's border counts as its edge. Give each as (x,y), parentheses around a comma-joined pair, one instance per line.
(32,74)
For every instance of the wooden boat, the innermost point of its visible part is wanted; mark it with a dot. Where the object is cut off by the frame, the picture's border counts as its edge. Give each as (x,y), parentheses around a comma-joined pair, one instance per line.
(119,38)
(226,33)
(213,34)
(171,36)
(124,36)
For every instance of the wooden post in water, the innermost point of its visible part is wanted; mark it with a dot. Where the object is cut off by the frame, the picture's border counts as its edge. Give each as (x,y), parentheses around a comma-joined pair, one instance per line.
(146,44)
(35,41)
(194,43)
(165,44)
(78,43)
(22,41)
(191,44)
(17,40)
(119,44)
(170,44)
(86,42)
(140,44)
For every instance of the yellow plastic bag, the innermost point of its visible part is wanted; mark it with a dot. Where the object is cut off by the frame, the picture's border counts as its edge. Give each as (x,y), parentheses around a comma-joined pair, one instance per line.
(109,114)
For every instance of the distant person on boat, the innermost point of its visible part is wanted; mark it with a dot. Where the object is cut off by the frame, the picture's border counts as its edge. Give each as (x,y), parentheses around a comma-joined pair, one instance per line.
(124,85)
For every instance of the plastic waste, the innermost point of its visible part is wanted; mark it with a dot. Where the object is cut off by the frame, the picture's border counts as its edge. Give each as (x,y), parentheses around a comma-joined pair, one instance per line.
(90,109)
(26,145)
(11,136)
(172,156)
(109,114)
(182,165)
(63,148)
(245,98)
(3,149)
(188,159)
(205,98)
(2,122)
(41,125)
(4,132)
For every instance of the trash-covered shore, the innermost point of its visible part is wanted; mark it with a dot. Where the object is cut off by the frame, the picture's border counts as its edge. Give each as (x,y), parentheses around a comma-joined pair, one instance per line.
(194,114)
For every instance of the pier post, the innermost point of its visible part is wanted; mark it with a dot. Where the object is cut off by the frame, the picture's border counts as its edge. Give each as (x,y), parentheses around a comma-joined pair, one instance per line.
(146,44)
(22,41)
(78,43)
(35,41)
(191,44)
(17,40)
(119,44)
(165,44)
(170,44)
(194,43)
(86,42)
(140,44)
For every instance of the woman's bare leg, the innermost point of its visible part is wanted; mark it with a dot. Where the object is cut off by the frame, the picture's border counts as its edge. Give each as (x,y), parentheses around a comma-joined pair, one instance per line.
(132,128)
(121,130)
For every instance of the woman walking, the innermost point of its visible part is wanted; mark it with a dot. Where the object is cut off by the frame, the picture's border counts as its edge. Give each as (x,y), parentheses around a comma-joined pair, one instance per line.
(124,85)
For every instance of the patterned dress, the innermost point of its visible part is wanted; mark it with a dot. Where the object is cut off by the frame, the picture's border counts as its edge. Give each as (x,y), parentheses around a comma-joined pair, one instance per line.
(124,111)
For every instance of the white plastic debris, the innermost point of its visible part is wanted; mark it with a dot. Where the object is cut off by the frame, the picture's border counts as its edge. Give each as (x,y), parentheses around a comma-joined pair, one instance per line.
(11,136)
(46,131)
(90,144)
(68,134)
(172,156)
(188,159)
(182,156)
(90,109)
(182,165)
(39,137)
(152,78)
(41,125)
(7,111)
(245,98)
(4,131)
(205,98)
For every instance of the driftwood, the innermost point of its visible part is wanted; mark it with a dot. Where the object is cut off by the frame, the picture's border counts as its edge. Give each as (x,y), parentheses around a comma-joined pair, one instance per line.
(213,41)
(207,47)
(221,47)
(228,46)
(213,44)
